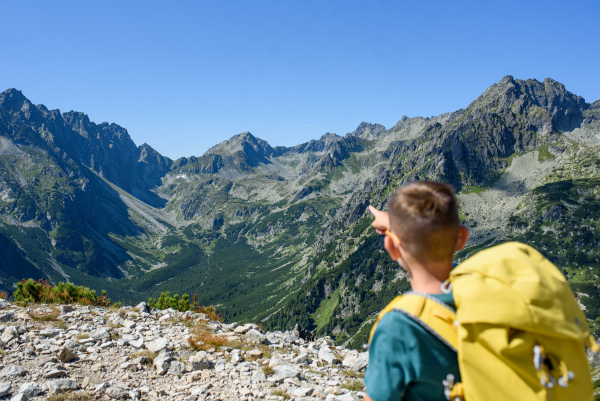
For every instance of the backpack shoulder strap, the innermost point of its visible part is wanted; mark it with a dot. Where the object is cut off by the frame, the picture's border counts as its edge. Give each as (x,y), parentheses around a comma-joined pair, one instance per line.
(434,316)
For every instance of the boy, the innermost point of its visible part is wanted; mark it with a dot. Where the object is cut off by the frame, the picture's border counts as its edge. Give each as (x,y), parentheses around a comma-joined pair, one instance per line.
(406,362)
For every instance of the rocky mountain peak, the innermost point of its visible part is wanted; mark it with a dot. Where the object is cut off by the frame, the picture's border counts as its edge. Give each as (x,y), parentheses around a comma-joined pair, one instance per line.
(369,131)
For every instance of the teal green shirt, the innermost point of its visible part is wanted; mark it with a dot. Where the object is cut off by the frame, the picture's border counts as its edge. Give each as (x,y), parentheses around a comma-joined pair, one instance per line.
(408,363)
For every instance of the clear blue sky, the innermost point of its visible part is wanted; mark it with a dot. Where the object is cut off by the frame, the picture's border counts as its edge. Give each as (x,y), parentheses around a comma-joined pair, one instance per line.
(185,75)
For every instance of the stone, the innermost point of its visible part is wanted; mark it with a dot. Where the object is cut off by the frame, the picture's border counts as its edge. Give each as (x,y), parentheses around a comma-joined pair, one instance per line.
(4,388)
(61,386)
(325,354)
(54,373)
(128,324)
(176,368)
(20,397)
(255,336)
(347,397)
(142,360)
(8,334)
(302,392)
(66,355)
(66,309)
(139,343)
(6,317)
(277,360)
(50,332)
(132,366)
(101,388)
(255,353)
(143,307)
(157,345)
(13,371)
(288,371)
(302,359)
(162,363)
(199,361)
(99,334)
(116,393)
(31,389)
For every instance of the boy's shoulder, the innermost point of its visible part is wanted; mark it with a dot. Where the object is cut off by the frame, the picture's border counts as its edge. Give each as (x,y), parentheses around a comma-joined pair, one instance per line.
(412,357)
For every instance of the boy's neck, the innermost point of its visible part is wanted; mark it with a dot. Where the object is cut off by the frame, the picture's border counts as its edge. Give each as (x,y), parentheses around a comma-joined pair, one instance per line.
(428,280)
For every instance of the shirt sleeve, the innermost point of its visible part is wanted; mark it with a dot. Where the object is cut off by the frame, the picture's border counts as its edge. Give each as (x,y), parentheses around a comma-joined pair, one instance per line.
(392,356)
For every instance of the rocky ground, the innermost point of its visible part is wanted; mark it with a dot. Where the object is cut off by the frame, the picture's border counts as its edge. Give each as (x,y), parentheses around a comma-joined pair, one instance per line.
(73,352)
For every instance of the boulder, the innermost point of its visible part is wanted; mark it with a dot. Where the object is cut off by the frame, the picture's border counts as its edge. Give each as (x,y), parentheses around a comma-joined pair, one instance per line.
(13,371)
(66,354)
(255,336)
(199,361)
(61,386)
(162,363)
(4,388)
(20,397)
(157,345)
(31,389)
(177,368)
(99,334)
(49,332)
(9,333)
(130,324)
(6,317)
(143,307)
(66,309)
(325,354)
(116,393)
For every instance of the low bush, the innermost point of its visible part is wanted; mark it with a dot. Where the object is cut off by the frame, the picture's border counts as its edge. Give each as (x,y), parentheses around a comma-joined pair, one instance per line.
(165,301)
(30,291)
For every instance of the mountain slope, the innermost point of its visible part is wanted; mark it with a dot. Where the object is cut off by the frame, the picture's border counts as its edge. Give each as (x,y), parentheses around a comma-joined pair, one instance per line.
(281,234)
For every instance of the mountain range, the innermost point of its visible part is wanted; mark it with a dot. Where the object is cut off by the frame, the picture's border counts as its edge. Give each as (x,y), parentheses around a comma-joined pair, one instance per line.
(282,235)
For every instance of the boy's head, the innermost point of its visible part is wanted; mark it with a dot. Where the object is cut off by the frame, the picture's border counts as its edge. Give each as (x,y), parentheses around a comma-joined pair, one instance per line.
(424,216)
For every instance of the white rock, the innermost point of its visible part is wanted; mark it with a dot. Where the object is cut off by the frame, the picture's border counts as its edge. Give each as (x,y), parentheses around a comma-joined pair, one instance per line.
(4,388)
(302,392)
(61,386)
(9,333)
(158,344)
(99,334)
(49,332)
(20,397)
(31,389)
(13,371)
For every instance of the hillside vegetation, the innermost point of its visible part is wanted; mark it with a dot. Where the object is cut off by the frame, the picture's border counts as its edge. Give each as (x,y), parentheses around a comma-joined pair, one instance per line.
(281,234)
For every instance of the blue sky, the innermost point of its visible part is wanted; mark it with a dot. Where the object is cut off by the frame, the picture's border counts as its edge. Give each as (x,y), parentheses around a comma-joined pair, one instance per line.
(183,76)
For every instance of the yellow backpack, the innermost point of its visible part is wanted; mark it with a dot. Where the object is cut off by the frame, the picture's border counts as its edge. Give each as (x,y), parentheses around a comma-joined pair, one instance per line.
(518,330)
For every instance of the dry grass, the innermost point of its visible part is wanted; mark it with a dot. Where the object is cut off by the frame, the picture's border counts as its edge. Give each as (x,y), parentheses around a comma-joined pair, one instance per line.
(354,385)
(315,372)
(351,373)
(3,295)
(268,371)
(281,393)
(71,397)
(44,316)
(145,352)
(83,335)
(59,324)
(122,313)
(203,338)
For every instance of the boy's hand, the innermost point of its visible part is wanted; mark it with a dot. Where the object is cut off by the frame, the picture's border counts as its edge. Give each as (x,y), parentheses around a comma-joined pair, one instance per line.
(382,220)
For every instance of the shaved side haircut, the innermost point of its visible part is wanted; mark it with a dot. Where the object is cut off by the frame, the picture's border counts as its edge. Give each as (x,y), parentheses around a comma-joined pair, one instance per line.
(424,216)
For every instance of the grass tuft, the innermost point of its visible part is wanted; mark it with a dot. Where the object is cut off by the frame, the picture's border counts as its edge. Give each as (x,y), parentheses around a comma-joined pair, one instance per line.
(354,385)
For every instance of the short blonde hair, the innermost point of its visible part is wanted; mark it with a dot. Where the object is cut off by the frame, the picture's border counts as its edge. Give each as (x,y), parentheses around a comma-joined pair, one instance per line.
(424,216)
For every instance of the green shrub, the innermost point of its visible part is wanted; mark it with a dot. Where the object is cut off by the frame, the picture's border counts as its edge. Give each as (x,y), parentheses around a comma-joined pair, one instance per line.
(165,301)
(64,293)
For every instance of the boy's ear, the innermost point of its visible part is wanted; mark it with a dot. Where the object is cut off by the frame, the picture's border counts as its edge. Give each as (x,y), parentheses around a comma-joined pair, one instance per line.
(391,247)
(463,237)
